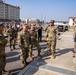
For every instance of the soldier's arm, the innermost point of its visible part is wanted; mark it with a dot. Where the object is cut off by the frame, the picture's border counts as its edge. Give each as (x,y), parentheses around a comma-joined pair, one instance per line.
(3,41)
(74,34)
(19,40)
(46,34)
(8,33)
(57,32)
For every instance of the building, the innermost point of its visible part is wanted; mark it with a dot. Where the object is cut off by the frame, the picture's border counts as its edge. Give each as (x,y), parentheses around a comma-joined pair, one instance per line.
(72,21)
(1,1)
(9,12)
(34,21)
(31,21)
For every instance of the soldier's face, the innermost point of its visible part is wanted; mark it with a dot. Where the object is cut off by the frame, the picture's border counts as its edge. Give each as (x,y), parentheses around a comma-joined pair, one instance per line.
(32,28)
(2,28)
(10,26)
(24,28)
(51,23)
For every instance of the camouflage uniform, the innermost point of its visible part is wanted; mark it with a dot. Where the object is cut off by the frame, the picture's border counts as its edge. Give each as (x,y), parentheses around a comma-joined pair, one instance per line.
(3,42)
(74,35)
(74,54)
(33,36)
(51,34)
(15,34)
(11,36)
(16,31)
(23,42)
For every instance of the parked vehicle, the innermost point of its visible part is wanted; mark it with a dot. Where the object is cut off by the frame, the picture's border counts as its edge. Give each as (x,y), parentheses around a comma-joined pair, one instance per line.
(62,28)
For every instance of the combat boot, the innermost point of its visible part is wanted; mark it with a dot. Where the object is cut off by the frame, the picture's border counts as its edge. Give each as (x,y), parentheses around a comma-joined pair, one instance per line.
(48,54)
(10,49)
(23,64)
(53,55)
(31,58)
(5,72)
(39,54)
(14,47)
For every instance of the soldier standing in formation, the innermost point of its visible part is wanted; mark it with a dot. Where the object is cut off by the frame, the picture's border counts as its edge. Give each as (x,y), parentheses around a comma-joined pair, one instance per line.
(33,37)
(23,42)
(51,34)
(16,32)
(11,36)
(3,43)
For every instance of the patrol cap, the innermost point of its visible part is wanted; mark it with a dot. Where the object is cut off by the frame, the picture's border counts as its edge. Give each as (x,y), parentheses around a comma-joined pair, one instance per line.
(52,21)
(1,24)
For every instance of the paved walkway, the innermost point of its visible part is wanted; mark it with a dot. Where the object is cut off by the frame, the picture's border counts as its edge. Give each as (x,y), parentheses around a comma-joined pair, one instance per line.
(63,63)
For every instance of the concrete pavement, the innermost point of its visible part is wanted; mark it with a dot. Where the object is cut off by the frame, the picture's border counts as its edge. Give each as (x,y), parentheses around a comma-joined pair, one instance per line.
(63,63)
(13,58)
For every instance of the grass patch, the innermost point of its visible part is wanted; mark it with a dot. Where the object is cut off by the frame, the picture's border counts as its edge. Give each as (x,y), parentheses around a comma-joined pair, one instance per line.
(71,27)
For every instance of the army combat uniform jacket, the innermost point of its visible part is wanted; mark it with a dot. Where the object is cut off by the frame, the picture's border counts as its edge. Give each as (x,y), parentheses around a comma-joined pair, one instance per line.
(23,42)
(3,42)
(51,34)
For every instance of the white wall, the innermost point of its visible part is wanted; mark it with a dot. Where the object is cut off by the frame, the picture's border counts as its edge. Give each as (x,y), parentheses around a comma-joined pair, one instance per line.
(71,23)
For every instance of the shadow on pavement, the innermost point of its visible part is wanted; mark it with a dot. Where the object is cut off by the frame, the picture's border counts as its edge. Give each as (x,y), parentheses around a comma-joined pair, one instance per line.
(59,52)
(8,45)
(17,49)
(63,51)
(42,47)
(10,54)
(15,71)
(43,41)
(13,59)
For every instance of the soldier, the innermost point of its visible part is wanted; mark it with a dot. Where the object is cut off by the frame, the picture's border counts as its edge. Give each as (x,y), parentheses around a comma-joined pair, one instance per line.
(74,35)
(33,36)
(3,43)
(11,35)
(74,51)
(40,33)
(23,42)
(51,34)
(16,31)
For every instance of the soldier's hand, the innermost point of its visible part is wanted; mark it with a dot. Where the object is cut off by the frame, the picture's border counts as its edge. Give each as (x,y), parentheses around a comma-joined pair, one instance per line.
(59,33)
(46,38)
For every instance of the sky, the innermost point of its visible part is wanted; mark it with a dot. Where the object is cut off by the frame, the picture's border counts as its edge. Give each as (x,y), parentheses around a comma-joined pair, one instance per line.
(59,10)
